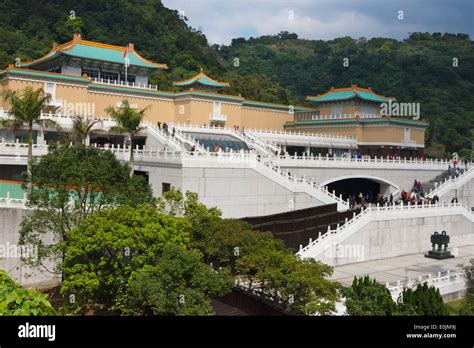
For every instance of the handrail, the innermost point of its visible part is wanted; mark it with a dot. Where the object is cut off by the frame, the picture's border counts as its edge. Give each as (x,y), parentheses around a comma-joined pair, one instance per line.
(124,83)
(365,214)
(450,278)
(450,183)
(303,134)
(165,138)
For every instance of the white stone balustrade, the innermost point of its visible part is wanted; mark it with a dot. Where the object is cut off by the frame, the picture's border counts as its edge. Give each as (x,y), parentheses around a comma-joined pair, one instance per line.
(447,282)
(452,183)
(124,84)
(317,246)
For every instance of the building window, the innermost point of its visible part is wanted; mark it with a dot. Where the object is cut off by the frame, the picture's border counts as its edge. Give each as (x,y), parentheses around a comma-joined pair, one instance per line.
(130,78)
(165,187)
(50,88)
(407,135)
(106,76)
(336,110)
(91,73)
(368,111)
(216,108)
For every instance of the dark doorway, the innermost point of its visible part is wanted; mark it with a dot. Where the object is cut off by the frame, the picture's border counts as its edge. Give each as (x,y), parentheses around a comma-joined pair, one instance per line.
(12,172)
(355,186)
(143,174)
(165,187)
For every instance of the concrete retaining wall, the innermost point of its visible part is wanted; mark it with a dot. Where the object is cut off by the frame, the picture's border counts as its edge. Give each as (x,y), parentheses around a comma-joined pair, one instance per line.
(10,220)
(396,237)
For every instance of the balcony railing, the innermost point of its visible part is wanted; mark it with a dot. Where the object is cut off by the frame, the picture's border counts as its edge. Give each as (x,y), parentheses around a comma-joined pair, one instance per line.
(217,117)
(55,103)
(124,83)
(335,116)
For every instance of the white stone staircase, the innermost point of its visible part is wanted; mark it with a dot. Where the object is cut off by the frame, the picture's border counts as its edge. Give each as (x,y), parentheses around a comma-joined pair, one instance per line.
(341,233)
(452,183)
(163,138)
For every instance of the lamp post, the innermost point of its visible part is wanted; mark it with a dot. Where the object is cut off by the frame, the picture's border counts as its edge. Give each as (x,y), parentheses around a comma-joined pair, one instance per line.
(127,64)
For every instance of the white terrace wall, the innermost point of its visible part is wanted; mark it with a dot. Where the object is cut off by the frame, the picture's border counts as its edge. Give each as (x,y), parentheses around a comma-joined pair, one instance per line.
(10,220)
(241,192)
(464,194)
(238,192)
(393,234)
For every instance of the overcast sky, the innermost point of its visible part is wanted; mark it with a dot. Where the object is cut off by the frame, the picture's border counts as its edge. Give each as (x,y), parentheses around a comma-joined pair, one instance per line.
(223,20)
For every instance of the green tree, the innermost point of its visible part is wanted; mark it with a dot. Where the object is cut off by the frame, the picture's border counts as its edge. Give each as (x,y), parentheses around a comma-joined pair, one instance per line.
(25,109)
(66,29)
(467,307)
(129,122)
(368,297)
(257,260)
(424,300)
(179,284)
(104,250)
(299,286)
(71,183)
(174,203)
(16,300)
(82,129)
(223,241)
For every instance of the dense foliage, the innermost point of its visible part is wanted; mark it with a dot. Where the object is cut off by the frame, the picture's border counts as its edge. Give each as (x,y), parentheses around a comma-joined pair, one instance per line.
(71,183)
(179,284)
(368,297)
(170,259)
(467,305)
(424,300)
(256,260)
(278,68)
(16,300)
(102,252)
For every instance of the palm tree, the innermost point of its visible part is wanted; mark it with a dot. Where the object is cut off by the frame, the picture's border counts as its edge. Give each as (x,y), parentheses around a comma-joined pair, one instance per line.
(25,111)
(82,128)
(128,122)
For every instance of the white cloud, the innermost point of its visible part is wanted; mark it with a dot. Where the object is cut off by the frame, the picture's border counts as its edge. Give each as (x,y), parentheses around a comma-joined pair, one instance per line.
(221,21)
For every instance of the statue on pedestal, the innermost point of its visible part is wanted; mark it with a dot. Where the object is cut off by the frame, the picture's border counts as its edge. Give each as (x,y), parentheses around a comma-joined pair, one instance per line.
(439,243)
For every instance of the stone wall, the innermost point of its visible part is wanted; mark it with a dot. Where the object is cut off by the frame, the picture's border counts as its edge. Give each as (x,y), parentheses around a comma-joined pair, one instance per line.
(10,220)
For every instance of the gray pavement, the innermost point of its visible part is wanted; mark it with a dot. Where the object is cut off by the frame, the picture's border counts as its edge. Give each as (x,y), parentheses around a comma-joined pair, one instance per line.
(402,267)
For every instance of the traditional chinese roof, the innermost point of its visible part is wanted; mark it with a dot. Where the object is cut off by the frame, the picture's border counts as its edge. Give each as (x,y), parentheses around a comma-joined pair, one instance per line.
(82,49)
(336,94)
(202,79)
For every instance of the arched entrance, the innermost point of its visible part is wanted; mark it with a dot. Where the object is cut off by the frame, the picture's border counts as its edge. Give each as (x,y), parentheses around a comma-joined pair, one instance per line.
(355,184)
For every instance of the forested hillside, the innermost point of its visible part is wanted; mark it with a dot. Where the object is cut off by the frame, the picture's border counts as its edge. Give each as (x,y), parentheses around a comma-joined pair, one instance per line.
(278,68)
(419,69)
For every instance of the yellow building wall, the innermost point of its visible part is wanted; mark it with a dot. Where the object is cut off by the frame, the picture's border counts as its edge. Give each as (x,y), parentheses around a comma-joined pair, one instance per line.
(182,111)
(234,114)
(382,134)
(201,110)
(418,135)
(394,134)
(194,110)
(256,118)
(16,85)
(158,110)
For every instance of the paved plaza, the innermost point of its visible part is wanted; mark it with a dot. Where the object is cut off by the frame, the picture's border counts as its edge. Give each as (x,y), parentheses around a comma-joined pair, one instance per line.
(391,270)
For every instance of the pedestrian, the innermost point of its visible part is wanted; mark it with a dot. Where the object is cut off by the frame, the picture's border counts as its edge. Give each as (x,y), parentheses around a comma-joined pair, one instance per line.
(159,125)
